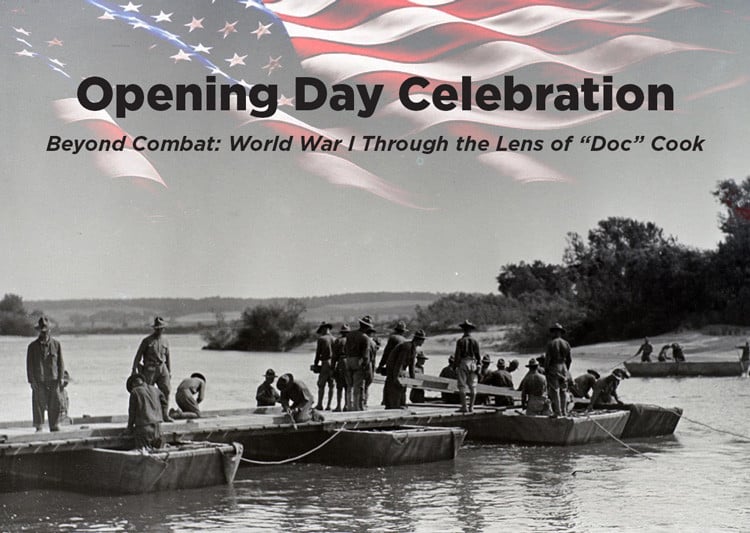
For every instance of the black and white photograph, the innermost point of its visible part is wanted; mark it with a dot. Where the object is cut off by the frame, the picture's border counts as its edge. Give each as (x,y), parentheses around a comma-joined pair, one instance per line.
(375,265)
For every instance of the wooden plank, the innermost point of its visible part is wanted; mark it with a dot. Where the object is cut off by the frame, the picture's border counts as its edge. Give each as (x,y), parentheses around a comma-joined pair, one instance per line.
(436,383)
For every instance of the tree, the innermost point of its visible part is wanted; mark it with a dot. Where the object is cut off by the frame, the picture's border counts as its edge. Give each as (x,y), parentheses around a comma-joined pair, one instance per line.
(14,320)
(267,328)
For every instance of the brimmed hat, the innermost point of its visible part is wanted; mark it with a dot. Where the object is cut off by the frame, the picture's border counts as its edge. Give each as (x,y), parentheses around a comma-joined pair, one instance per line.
(344,328)
(621,373)
(467,325)
(514,364)
(270,373)
(198,375)
(130,383)
(533,363)
(486,359)
(283,381)
(501,363)
(366,321)
(419,334)
(557,327)
(159,323)
(43,324)
(323,326)
(400,327)
(593,373)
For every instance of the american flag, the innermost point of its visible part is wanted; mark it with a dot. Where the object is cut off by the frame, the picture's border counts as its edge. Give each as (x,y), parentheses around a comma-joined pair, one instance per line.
(55,44)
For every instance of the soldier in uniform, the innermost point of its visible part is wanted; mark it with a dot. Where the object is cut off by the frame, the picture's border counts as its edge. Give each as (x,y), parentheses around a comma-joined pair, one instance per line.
(295,398)
(416,395)
(153,363)
(557,362)
(534,391)
(266,395)
(400,361)
(45,371)
(584,383)
(322,364)
(605,390)
(467,361)
(145,410)
(645,351)
(338,362)
(190,392)
(358,352)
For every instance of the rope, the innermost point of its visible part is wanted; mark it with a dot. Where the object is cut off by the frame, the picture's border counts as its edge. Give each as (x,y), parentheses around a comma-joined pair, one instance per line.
(292,459)
(618,440)
(744,437)
(621,362)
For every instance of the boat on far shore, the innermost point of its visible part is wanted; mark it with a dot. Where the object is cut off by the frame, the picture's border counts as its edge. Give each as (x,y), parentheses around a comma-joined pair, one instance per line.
(662,369)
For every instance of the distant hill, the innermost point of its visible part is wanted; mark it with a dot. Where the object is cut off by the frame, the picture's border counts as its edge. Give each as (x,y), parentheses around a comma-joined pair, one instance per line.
(120,315)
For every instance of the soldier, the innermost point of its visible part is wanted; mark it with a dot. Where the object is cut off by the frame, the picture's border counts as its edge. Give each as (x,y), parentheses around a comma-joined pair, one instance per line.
(449,371)
(467,360)
(605,390)
(401,359)
(646,349)
(500,378)
(295,398)
(358,352)
(145,412)
(534,391)
(416,395)
(322,364)
(338,362)
(190,392)
(677,353)
(745,357)
(584,383)
(662,357)
(557,362)
(396,338)
(153,363)
(266,395)
(45,371)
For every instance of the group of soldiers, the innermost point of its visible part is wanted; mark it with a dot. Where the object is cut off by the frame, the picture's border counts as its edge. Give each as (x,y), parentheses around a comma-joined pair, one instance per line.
(148,385)
(345,364)
(646,349)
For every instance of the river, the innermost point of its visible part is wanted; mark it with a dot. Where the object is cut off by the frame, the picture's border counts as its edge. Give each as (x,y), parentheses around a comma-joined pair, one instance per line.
(696,480)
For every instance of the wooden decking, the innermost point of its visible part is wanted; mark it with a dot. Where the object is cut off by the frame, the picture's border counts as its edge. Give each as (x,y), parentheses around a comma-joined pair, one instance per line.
(20,438)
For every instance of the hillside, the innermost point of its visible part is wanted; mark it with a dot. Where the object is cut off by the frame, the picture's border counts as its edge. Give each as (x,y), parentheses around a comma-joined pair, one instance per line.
(195,313)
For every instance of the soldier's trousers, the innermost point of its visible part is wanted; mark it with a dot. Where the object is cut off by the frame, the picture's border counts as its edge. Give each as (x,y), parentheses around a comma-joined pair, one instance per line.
(46,397)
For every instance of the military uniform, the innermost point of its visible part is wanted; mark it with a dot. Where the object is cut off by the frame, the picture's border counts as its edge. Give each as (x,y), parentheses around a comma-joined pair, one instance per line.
(557,361)
(145,415)
(45,372)
(266,395)
(358,351)
(153,363)
(401,359)
(323,357)
(297,398)
(185,395)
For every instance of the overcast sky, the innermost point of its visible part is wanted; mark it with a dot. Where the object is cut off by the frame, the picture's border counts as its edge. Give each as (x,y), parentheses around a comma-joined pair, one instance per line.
(254,225)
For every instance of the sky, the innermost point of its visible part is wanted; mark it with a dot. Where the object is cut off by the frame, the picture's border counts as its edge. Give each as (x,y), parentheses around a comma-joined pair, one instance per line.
(253,224)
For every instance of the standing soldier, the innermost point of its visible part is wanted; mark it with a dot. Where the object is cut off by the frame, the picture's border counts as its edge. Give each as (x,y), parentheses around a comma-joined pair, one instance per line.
(416,395)
(467,361)
(357,361)
(745,357)
(45,371)
(322,364)
(645,350)
(338,362)
(557,362)
(152,361)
